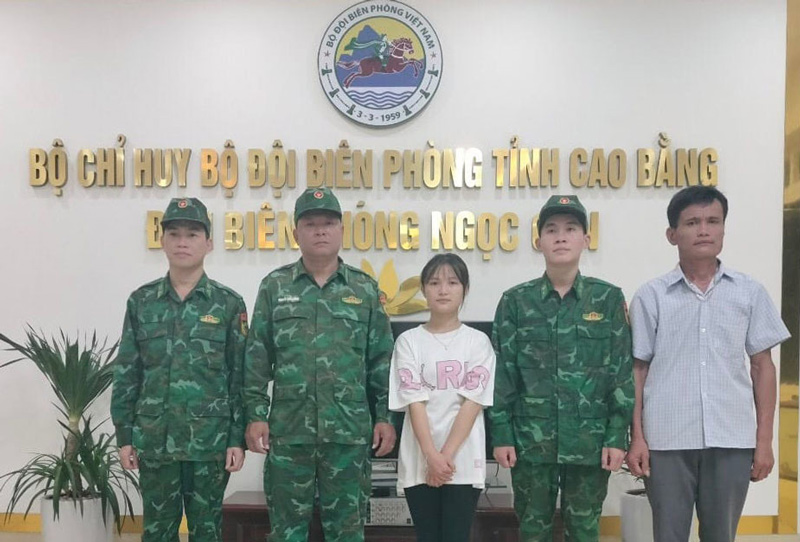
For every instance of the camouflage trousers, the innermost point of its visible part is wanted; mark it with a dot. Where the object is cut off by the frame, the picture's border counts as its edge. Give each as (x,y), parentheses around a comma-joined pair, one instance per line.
(170,486)
(338,474)
(583,489)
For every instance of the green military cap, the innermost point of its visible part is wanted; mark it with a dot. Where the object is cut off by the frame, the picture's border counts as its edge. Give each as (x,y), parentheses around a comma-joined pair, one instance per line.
(191,209)
(558,205)
(316,199)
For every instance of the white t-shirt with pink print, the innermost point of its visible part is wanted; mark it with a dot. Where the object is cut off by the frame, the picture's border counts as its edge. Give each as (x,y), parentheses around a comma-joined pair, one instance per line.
(442,370)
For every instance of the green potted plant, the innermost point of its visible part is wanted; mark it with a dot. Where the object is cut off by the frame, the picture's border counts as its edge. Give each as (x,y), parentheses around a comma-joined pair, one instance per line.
(83,486)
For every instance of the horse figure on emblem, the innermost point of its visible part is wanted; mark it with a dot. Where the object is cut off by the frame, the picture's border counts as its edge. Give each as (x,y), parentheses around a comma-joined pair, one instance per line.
(390,57)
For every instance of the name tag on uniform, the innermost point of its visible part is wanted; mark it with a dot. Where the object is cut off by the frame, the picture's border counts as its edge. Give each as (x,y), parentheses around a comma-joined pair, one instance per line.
(289,299)
(593,316)
(208,319)
(353,300)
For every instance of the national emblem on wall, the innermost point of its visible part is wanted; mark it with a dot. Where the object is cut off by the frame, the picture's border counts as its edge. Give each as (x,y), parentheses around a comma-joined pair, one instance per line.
(380,63)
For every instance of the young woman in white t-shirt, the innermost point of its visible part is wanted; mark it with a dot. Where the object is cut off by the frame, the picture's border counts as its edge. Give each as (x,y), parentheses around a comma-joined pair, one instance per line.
(442,377)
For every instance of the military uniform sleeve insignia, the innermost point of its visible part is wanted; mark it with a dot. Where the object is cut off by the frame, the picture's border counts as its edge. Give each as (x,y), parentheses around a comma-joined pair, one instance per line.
(382,300)
(625,308)
(243,323)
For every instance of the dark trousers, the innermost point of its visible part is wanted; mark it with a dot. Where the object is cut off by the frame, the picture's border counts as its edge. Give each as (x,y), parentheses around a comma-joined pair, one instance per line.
(715,480)
(442,514)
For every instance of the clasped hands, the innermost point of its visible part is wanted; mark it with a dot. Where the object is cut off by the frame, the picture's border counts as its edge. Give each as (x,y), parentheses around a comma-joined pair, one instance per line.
(440,469)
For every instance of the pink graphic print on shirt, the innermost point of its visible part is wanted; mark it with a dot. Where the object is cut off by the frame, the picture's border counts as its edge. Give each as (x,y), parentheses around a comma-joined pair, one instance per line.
(449,374)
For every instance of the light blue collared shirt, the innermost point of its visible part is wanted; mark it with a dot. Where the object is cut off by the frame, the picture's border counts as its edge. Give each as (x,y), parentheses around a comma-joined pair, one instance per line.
(698,393)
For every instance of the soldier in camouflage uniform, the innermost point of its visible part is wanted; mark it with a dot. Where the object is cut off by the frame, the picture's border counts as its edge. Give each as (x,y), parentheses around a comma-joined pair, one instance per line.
(564,383)
(176,401)
(321,336)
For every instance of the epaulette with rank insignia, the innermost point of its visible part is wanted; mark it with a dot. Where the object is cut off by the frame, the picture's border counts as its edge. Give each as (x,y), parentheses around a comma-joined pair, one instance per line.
(282,269)
(286,266)
(154,282)
(361,273)
(599,282)
(533,283)
(225,288)
(144,289)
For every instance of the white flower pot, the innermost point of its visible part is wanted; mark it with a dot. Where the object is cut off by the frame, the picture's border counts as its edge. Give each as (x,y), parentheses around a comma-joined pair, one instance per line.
(636,516)
(72,526)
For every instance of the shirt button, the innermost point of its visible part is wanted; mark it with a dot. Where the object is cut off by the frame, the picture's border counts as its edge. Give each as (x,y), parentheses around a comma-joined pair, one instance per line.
(701,298)
(702,330)
(703,363)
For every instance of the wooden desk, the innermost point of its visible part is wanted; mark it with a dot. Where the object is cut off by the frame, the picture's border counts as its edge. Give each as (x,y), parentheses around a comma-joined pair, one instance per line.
(244,519)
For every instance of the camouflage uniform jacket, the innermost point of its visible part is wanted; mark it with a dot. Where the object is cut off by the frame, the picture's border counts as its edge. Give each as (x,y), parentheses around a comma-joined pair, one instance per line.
(178,374)
(326,351)
(564,382)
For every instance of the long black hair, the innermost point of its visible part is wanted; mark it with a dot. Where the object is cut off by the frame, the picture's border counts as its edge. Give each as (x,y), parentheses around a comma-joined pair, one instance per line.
(456,264)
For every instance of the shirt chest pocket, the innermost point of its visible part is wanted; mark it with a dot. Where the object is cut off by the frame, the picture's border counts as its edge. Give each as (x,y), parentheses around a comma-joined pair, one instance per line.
(729,331)
(533,346)
(350,326)
(594,343)
(153,341)
(292,325)
(207,342)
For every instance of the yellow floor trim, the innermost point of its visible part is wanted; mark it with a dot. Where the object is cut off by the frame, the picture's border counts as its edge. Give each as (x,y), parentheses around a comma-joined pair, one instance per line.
(757,525)
(610,526)
(17,523)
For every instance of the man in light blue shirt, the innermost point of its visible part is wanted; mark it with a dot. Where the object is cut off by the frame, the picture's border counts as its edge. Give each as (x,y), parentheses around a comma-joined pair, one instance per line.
(703,417)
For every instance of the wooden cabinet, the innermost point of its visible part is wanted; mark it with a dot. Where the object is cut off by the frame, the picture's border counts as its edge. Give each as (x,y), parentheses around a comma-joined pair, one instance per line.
(245,519)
